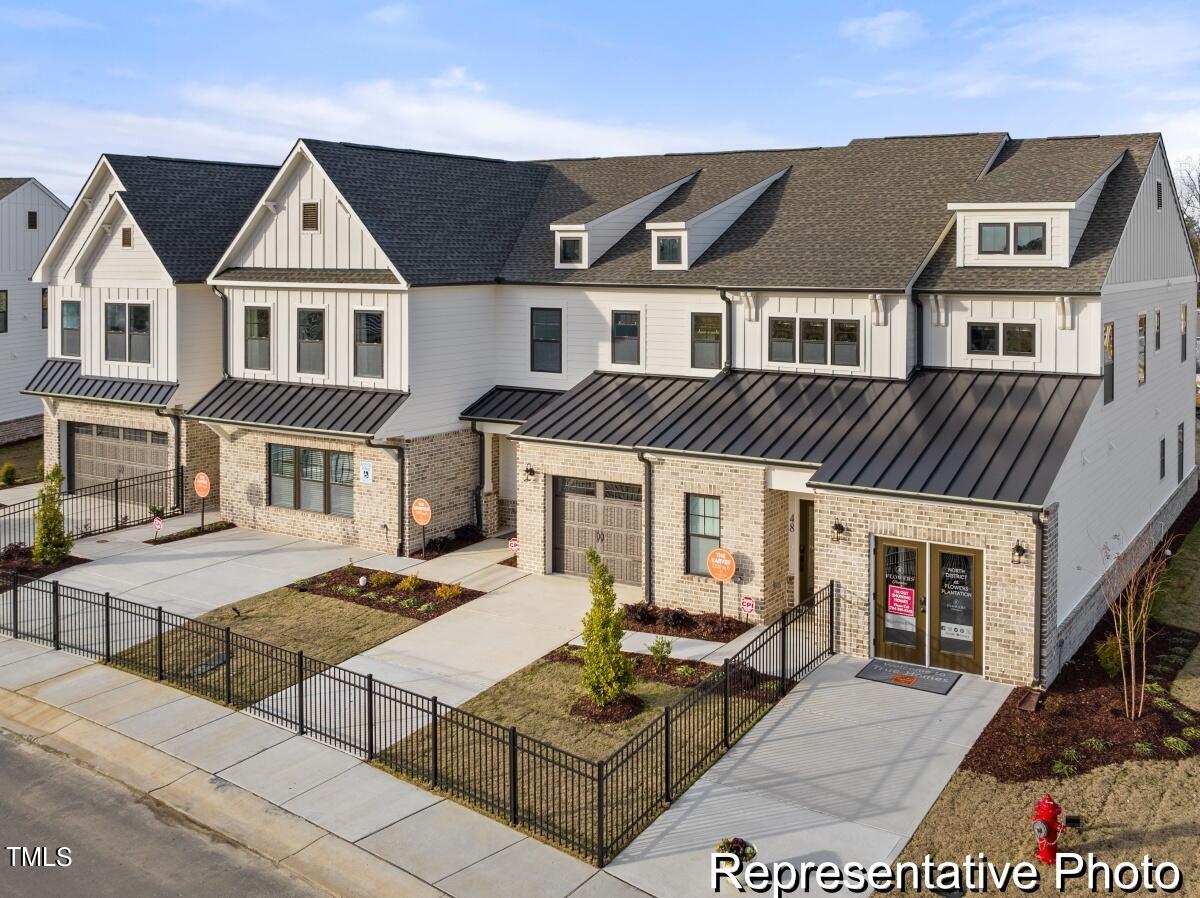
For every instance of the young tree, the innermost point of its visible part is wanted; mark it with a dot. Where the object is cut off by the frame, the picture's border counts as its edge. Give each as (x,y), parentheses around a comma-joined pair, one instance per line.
(1131,588)
(51,541)
(607,674)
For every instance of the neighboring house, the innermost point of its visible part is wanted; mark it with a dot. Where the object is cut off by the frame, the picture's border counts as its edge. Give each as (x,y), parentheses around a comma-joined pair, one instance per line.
(951,373)
(29,216)
(134,330)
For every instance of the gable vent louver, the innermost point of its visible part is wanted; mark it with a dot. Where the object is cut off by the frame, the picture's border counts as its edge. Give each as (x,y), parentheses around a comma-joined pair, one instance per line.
(310,216)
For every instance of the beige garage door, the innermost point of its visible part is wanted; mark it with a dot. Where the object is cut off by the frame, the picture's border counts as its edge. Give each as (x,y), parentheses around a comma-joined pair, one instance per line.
(101,454)
(604,516)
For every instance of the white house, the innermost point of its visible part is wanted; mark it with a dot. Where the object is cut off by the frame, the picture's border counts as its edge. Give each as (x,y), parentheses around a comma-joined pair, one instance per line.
(29,216)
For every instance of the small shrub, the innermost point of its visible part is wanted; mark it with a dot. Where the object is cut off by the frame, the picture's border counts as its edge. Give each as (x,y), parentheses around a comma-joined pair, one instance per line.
(660,650)
(8,473)
(1175,658)
(1163,704)
(1108,653)
(1184,716)
(1072,756)
(41,470)
(1062,768)
(409,584)
(1155,689)
(1095,745)
(1191,733)
(406,603)
(640,613)
(15,552)
(345,590)
(382,580)
(1177,745)
(427,608)
(448,592)
(1145,749)
(607,673)
(1162,667)
(155,511)
(676,617)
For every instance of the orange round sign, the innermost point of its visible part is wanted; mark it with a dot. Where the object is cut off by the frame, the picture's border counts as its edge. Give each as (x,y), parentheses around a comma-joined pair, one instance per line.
(721,565)
(203,485)
(421,511)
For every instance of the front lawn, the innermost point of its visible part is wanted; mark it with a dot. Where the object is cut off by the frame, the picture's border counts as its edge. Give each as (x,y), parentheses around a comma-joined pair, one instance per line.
(26,456)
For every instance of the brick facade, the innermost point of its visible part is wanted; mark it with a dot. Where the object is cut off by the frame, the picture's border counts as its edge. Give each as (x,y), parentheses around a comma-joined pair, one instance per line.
(444,469)
(19,429)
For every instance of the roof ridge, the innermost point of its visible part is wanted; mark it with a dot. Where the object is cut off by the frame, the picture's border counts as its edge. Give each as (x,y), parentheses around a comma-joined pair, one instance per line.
(156,158)
(415,152)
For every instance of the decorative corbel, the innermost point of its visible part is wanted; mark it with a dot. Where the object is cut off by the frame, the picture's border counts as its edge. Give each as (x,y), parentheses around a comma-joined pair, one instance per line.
(1066,313)
(271,205)
(750,300)
(937,311)
(878,309)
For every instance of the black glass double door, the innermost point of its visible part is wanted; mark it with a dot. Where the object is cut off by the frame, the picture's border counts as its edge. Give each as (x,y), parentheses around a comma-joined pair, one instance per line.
(929,605)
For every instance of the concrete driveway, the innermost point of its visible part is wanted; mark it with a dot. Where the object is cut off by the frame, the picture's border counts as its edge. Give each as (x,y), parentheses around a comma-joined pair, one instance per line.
(842,769)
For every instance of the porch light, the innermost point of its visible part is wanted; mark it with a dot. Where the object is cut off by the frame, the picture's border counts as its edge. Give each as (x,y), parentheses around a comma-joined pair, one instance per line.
(530,473)
(1018,553)
(838,530)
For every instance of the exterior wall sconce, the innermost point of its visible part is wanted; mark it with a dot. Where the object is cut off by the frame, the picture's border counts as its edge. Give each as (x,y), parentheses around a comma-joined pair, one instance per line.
(839,530)
(530,473)
(1018,553)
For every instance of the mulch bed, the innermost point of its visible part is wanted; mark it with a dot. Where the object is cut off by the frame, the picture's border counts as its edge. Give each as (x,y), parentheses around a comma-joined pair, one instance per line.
(19,559)
(673,672)
(509,562)
(614,712)
(190,532)
(1083,704)
(382,593)
(677,622)
(443,545)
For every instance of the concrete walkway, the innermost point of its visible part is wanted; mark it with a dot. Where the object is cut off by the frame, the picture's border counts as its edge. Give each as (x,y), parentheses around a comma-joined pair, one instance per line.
(340,823)
(842,769)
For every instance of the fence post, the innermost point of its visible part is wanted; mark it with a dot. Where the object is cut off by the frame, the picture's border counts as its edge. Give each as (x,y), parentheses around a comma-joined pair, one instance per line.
(158,623)
(725,708)
(179,487)
(16,584)
(667,754)
(370,717)
(55,616)
(228,666)
(512,775)
(832,606)
(435,773)
(600,845)
(116,504)
(300,691)
(783,655)
(107,628)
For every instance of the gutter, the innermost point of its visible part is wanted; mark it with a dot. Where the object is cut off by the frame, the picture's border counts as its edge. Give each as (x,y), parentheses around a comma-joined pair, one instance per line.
(396,443)
(724,294)
(479,478)
(177,424)
(648,519)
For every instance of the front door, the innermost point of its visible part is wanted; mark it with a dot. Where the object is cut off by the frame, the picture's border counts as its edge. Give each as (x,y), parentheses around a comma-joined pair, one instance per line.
(900,601)
(956,613)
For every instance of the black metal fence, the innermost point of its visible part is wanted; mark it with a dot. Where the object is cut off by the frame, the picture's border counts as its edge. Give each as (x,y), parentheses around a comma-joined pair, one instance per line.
(101,508)
(592,808)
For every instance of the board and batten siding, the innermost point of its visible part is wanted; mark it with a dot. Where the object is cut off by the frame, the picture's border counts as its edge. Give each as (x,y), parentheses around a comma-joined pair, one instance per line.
(198,343)
(163,359)
(1075,350)
(278,241)
(20,246)
(339,307)
(1154,245)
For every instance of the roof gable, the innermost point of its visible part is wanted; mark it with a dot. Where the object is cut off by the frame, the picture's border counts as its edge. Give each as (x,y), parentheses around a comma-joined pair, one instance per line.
(10,185)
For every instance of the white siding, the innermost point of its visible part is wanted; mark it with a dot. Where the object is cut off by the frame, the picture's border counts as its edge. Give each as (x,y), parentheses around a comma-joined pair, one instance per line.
(277,240)
(704,229)
(1074,350)
(606,230)
(1109,487)
(198,343)
(81,220)
(92,300)
(20,247)
(104,262)
(339,307)
(1057,232)
(1082,213)
(1154,244)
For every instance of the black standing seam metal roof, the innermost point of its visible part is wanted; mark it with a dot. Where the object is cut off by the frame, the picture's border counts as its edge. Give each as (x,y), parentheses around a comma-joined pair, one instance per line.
(509,405)
(61,377)
(995,436)
(325,409)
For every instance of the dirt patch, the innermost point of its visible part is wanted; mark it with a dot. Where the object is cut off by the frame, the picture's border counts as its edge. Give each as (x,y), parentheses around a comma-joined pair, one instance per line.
(1081,724)
(409,596)
(684,624)
(215,527)
(625,708)
(509,562)
(684,674)
(18,559)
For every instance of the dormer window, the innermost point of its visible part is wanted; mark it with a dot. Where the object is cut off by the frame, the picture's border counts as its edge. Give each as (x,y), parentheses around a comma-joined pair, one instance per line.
(669,250)
(993,239)
(570,250)
(1030,238)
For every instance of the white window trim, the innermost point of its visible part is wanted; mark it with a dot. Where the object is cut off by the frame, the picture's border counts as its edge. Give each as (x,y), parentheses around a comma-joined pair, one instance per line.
(607,364)
(582,236)
(1000,354)
(320,217)
(325,377)
(110,364)
(385,378)
(682,264)
(267,373)
(808,367)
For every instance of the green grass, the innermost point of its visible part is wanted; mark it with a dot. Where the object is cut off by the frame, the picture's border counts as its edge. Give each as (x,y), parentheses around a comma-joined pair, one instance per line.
(1178,599)
(26,455)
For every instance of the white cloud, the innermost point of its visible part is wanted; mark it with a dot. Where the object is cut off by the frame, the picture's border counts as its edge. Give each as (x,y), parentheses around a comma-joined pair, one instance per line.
(455,78)
(895,28)
(59,143)
(392,14)
(32,17)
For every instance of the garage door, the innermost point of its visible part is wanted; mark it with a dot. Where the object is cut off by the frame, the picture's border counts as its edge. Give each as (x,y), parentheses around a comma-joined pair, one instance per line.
(605,516)
(101,454)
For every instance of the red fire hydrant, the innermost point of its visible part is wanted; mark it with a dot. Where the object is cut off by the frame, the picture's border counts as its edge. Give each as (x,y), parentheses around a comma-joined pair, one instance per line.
(1046,827)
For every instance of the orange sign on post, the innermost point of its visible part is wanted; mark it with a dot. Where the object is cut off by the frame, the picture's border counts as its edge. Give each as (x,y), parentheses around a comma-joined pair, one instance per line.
(203,485)
(421,511)
(721,566)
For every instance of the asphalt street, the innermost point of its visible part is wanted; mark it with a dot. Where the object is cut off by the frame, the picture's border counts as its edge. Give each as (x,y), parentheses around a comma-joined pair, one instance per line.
(120,844)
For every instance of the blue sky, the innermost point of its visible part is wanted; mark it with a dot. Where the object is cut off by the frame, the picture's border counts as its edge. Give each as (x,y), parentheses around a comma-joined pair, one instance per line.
(241,79)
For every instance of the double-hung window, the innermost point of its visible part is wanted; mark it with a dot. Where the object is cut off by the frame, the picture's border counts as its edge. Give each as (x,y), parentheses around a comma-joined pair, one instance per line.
(3,311)
(814,337)
(703,531)
(1141,349)
(126,332)
(45,308)
(317,480)
(310,341)
(545,340)
(69,328)
(1184,312)
(706,340)
(258,338)
(782,340)
(1108,349)
(626,338)
(1157,329)
(845,343)
(368,344)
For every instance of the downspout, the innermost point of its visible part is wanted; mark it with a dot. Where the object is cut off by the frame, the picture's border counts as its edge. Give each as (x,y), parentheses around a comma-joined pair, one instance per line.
(396,443)
(224,331)
(479,479)
(648,516)
(920,331)
(728,329)
(1038,629)
(177,425)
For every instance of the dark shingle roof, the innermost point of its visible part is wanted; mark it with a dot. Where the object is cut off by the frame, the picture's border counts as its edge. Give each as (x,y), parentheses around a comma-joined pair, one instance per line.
(1046,170)
(310,275)
(8,185)
(189,210)
(994,436)
(509,405)
(1093,256)
(438,218)
(298,406)
(61,377)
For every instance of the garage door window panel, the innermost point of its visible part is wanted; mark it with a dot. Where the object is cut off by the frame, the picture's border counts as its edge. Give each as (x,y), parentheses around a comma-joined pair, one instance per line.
(703,531)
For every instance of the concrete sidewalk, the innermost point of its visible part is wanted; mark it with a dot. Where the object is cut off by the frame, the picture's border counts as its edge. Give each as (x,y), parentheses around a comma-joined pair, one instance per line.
(343,824)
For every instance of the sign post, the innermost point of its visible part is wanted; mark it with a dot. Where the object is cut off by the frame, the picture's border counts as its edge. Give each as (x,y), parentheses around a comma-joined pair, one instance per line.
(422,513)
(157,527)
(721,567)
(203,487)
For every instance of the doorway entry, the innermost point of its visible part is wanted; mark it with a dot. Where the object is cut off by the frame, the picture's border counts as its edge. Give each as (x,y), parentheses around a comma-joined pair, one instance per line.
(929,604)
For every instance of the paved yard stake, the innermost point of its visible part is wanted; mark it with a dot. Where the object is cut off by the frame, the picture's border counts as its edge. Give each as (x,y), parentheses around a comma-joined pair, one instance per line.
(300,691)
(228,666)
(370,717)
(16,582)
(55,612)
(512,775)
(725,707)
(434,773)
(667,754)
(159,627)
(107,628)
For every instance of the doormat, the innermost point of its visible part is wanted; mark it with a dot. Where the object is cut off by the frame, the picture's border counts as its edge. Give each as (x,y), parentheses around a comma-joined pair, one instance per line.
(926,679)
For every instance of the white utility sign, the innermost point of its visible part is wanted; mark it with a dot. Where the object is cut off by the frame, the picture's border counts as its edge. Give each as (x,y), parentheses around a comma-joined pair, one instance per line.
(366,472)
